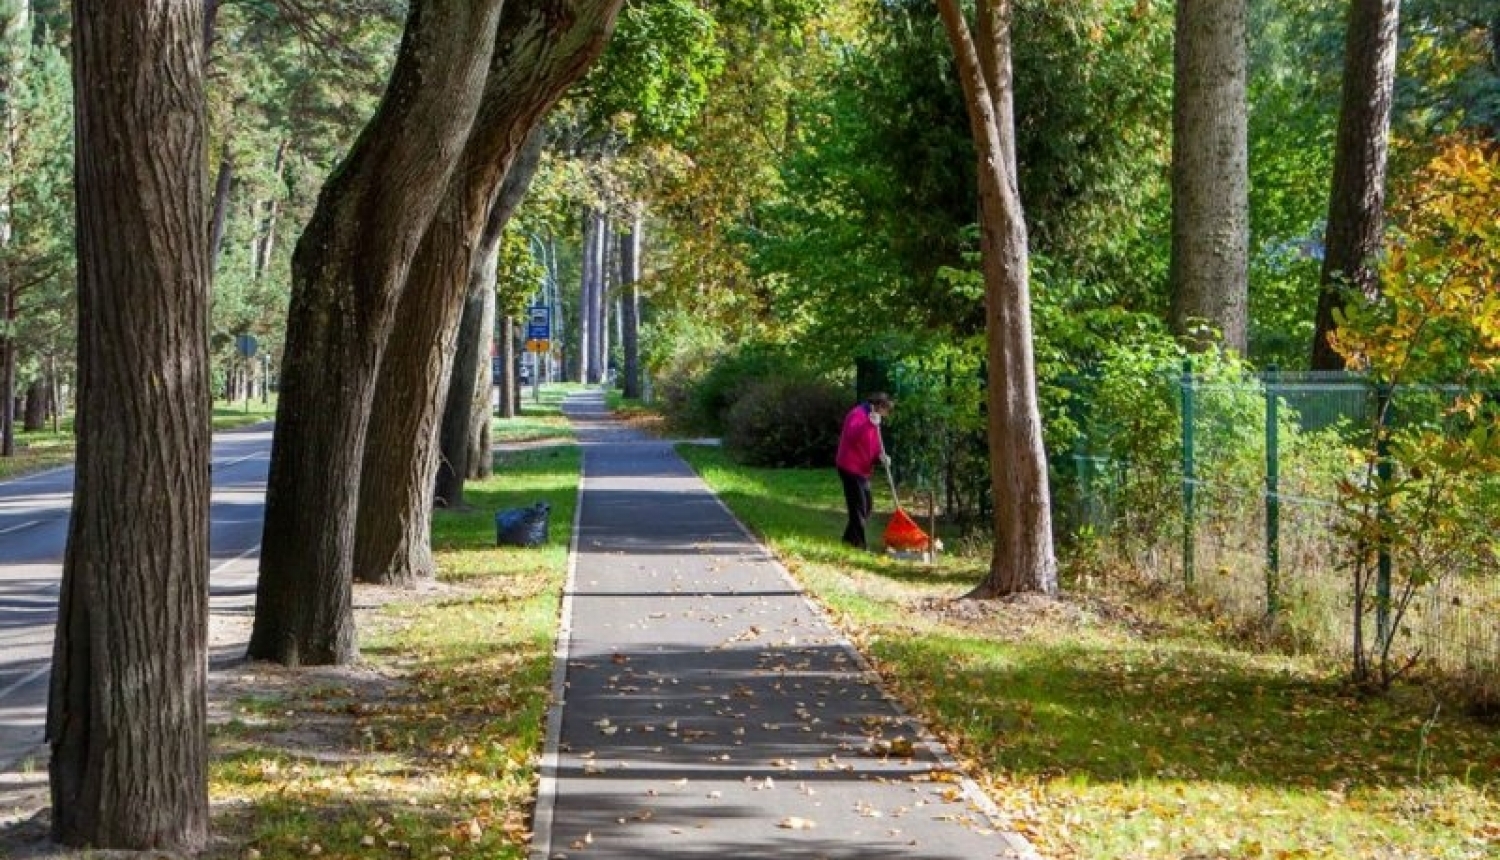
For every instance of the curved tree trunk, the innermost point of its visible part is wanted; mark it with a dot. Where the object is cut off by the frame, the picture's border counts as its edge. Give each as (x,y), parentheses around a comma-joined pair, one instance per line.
(537,54)
(1023,559)
(1210,266)
(127,710)
(1356,204)
(347,273)
(471,370)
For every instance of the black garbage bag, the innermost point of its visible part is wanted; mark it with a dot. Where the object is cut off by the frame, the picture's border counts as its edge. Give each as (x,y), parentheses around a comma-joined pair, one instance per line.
(522,526)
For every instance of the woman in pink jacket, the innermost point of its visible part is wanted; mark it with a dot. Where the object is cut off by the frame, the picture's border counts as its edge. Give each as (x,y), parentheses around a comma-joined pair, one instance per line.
(860,449)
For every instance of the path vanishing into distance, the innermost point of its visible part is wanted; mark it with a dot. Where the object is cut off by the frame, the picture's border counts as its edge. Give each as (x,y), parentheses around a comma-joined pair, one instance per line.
(708,709)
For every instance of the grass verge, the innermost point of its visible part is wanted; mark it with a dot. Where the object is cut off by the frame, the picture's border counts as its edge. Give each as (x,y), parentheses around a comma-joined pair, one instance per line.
(1112,725)
(229,414)
(428,748)
(39,450)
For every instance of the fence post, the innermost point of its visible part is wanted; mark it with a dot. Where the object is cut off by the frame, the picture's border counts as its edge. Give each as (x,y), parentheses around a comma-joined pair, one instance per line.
(1383,404)
(1273,497)
(1188,478)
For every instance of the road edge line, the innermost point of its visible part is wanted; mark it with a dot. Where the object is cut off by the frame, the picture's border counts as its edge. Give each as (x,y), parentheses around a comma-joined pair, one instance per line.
(546,797)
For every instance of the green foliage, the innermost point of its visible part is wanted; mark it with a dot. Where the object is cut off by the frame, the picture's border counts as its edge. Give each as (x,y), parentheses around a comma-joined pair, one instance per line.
(1295,63)
(1428,497)
(36,201)
(520,275)
(705,401)
(785,421)
(656,73)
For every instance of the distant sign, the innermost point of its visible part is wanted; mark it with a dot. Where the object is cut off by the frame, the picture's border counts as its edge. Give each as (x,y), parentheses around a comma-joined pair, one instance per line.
(246,345)
(538,345)
(538,323)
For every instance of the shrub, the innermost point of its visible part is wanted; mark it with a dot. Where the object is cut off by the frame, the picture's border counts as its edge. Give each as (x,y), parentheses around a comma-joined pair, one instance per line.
(728,379)
(786,421)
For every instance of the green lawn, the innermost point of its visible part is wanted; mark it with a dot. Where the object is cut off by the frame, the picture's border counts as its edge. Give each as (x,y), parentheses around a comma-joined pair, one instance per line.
(431,750)
(1112,725)
(229,414)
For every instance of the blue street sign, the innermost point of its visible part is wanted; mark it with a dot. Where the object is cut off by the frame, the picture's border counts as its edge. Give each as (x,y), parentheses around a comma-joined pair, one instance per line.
(246,345)
(538,322)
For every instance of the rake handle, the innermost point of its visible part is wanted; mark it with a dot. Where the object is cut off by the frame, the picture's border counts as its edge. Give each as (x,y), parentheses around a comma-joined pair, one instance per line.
(885,461)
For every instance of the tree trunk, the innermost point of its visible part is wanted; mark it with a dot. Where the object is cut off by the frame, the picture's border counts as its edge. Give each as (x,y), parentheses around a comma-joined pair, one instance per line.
(630,304)
(347,273)
(1023,559)
(588,370)
(505,351)
(1356,203)
(601,298)
(1210,176)
(15,39)
(481,462)
(38,403)
(467,402)
(410,450)
(8,378)
(265,243)
(127,710)
(222,187)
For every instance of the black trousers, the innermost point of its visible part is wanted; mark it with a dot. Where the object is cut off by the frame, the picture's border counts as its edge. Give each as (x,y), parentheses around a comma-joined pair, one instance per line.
(858,500)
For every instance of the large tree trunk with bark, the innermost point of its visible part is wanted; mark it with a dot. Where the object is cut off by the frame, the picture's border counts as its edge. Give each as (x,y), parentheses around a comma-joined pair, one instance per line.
(536,55)
(1210,175)
(127,710)
(1356,203)
(1023,558)
(630,304)
(347,274)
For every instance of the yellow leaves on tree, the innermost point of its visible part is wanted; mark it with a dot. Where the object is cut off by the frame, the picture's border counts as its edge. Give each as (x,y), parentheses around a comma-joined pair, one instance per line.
(1438,319)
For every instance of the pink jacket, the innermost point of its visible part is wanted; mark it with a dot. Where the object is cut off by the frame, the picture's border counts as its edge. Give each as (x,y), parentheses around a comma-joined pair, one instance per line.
(859,443)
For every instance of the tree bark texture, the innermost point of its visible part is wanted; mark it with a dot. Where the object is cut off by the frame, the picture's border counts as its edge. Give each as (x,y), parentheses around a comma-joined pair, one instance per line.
(1210,175)
(347,274)
(126,715)
(480,459)
(630,304)
(1023,558)
(1356,202)
(537,54)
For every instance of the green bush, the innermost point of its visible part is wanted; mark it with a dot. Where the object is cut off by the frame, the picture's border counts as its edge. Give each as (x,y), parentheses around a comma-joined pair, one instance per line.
(728,379)
(786,421)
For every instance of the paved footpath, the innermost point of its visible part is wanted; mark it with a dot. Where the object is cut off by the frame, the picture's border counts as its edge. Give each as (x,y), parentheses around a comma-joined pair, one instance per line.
(706,709)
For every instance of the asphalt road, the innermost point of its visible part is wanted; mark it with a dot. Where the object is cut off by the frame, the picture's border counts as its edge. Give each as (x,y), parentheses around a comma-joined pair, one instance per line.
(33,534)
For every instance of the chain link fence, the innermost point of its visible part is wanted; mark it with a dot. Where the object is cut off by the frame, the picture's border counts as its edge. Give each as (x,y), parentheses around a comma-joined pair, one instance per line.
(1246,489)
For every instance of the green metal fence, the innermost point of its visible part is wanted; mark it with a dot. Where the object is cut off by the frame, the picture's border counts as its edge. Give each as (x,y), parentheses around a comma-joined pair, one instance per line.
(1253,515)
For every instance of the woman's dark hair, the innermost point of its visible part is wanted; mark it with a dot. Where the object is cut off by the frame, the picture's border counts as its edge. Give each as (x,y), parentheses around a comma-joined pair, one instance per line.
(881,400)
